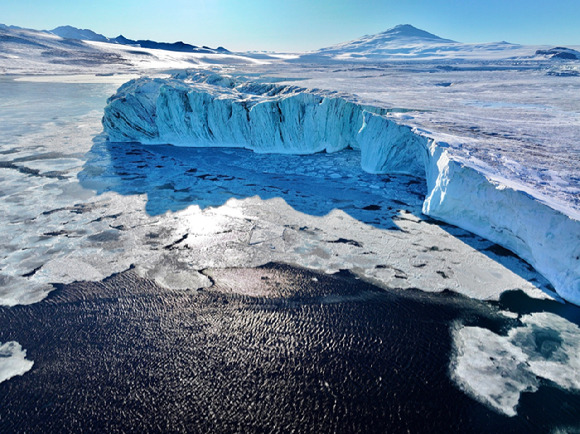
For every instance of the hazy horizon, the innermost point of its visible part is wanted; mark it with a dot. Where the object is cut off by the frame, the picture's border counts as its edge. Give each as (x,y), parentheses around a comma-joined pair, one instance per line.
(302,25)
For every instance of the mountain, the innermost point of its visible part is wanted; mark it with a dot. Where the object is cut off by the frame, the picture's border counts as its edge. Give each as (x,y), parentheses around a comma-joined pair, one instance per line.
(170,46)
(69,32)
(405,42)
(403,36)
(28,51)
(34,51)
(399,36)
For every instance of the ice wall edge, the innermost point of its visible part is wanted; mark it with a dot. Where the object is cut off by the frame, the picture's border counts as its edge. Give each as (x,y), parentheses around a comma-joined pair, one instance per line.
(546,238)
(206,109)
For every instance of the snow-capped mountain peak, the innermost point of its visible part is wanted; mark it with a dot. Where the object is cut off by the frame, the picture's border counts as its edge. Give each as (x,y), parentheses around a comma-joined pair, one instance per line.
(399,36)
(405,42)
(406,31)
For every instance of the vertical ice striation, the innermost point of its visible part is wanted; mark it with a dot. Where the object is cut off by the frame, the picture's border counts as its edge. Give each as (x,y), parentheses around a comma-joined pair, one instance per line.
(280,119)
(544,237)
(206,109)
(387,147)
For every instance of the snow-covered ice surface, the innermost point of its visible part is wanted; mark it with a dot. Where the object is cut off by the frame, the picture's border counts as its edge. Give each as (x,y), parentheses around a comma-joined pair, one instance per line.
(510,120)
(13,361)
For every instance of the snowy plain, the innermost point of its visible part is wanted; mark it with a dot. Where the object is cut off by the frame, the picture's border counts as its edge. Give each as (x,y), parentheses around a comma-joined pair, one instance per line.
(78,207)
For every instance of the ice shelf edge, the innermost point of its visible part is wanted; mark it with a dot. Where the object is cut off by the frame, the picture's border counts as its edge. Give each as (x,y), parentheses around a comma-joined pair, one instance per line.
(213,110)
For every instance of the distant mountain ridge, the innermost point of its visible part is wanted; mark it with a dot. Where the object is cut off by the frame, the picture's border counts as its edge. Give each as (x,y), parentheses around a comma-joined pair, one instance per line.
(70,32)
(29,51)
(400,43)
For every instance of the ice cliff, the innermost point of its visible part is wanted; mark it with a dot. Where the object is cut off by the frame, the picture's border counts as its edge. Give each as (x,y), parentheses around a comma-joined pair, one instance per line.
(205,109)
(213,110)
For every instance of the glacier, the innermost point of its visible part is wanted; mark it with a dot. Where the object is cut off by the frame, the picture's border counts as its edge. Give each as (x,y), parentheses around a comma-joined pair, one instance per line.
(101,201)
(206,109)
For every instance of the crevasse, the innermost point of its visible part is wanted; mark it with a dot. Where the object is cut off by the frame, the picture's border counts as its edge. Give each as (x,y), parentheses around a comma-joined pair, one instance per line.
(205,109)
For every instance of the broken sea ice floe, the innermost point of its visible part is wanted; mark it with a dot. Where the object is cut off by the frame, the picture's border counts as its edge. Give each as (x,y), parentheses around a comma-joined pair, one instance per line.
(496,369)
(13,361)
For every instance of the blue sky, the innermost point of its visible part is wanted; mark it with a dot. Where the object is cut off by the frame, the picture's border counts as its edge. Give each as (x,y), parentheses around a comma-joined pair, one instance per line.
(292,25)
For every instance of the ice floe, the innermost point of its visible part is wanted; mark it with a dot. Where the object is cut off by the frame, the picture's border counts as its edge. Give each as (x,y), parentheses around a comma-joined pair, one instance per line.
(13,361)
(495,369)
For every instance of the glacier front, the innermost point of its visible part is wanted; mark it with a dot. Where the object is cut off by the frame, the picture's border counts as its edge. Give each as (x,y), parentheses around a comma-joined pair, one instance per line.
(206,109)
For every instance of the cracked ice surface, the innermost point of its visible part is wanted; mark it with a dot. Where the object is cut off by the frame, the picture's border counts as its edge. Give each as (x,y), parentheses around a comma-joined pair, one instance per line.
(92,239)
(172,212)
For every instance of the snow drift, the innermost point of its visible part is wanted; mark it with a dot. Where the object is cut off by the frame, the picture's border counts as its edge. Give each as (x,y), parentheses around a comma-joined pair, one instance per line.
(206,109)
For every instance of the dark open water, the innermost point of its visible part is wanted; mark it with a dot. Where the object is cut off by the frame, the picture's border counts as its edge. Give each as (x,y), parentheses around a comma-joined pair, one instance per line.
(310,353)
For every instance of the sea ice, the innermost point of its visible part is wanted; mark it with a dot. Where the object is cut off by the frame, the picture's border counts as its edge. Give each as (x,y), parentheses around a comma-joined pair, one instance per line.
(13,361)
(496,369)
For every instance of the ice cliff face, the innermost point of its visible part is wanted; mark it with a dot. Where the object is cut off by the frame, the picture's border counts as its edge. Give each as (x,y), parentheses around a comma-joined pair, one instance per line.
(202,110)
(214,110)
(544,237)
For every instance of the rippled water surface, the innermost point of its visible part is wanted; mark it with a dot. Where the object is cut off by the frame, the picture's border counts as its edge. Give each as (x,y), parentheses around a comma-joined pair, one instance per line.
(272,349)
